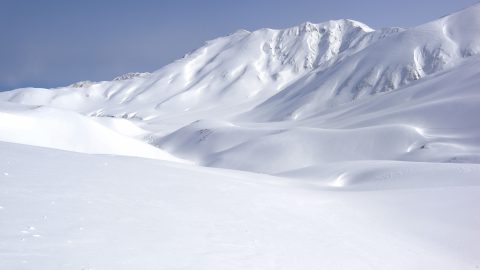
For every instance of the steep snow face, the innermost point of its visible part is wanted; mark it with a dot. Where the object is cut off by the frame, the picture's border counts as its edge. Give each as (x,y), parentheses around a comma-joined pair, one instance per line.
(391,63)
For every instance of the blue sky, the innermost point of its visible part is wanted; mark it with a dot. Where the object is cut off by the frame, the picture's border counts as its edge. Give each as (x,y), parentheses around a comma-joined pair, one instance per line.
(51,43)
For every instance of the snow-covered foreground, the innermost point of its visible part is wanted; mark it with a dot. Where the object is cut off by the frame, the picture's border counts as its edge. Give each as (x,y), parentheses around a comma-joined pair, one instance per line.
(63,210)
(346,148)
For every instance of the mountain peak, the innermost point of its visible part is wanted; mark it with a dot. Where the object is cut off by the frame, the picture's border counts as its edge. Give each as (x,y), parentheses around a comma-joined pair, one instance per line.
(316,27)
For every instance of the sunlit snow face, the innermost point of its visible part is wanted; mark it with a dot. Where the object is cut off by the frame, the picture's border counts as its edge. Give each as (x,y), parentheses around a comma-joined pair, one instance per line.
(340,181)
(419,130)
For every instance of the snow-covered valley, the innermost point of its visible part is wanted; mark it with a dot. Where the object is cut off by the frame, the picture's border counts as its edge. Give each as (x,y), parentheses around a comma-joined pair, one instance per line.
(321,146)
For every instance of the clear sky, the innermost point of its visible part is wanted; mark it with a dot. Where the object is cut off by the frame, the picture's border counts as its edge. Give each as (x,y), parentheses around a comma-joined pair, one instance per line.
(49,43)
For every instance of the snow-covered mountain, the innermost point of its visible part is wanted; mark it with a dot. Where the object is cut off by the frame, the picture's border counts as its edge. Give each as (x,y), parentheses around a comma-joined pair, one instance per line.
(320,108)
(304,96)
(300,70)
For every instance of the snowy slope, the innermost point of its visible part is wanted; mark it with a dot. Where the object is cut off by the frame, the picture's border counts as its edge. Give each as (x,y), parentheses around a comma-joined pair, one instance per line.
(386,65)
(48,127)
(77,211)
(434,120)
(351,148)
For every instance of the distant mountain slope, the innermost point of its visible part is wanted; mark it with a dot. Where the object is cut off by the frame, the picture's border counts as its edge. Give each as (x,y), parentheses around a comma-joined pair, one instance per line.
(299,70)
(235,69)
(434,120)
(389,64)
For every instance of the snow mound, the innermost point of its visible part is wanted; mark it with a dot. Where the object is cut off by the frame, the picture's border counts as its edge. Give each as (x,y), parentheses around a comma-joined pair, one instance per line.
(380,175)
(47,127)
(276,150)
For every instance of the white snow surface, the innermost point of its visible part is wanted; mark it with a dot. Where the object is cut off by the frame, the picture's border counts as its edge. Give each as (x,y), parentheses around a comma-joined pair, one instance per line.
(78,211)
(321,146)
(66,130)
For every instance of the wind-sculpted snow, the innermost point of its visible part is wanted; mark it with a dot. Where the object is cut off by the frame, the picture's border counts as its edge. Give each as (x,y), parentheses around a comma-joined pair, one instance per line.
(278,150)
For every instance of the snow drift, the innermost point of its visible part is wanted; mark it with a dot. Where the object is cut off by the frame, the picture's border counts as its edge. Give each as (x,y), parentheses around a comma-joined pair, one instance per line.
(66,130)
